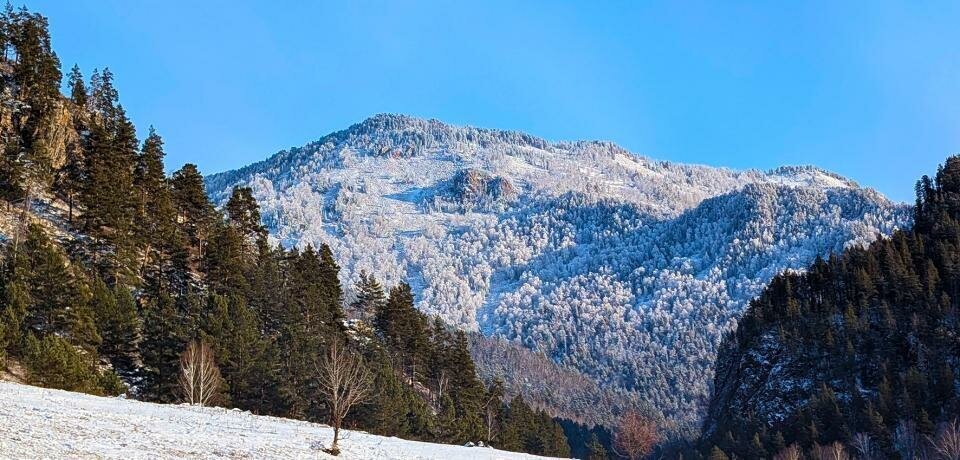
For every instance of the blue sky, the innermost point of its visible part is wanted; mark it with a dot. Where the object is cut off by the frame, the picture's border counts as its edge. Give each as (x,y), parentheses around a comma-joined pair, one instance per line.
(869,90)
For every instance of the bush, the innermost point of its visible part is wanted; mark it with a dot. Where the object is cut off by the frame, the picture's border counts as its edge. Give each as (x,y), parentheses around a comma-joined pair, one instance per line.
(53,363)
(111,384)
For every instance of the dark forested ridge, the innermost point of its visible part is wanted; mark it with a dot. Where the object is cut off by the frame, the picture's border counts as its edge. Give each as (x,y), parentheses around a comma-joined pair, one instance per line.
(110,267)
(859,354)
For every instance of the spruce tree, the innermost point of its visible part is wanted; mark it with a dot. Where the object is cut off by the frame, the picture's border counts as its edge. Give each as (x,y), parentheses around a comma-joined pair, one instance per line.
(194,210)
(118,325)
(243,213)
(78,89)
(165,333)
(466,389)
(224,263)
(404,330)
(313,319)
(108,196)
(370,297)
(242,352)
(156,216)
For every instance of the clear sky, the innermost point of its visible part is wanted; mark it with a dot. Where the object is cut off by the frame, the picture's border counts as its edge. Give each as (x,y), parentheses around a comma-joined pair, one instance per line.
(869,90)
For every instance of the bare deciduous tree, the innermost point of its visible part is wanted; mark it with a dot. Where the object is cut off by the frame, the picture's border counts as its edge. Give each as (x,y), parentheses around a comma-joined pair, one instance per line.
(864,445)
(790,453)
(947,443)
(345,382)
(636,436)
(443,381)
(835,451)
(200,380)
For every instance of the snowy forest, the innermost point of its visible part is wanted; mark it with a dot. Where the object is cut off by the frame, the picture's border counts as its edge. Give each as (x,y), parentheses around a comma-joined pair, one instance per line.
(623,268)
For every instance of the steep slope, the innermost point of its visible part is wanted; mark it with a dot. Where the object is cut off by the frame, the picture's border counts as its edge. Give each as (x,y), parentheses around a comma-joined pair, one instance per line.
(625,268)
(41,423)
(862,349)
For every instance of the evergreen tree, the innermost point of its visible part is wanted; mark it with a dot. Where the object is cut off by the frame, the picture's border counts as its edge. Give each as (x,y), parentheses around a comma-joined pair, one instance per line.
(103,98)
(118,325)
(370,297)
(266,289)
(243,213)
(158,238)
(165,335)
(78,89)
(224,264)
(597,451)
(313,318)
(243,354)
(194,210)
(467,391)
(108,196)
(52,362)
(404,330)
(55,299)
(26,160)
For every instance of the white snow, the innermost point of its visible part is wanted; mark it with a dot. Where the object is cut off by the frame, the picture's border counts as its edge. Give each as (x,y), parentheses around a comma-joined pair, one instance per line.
(43,423)
(623,267)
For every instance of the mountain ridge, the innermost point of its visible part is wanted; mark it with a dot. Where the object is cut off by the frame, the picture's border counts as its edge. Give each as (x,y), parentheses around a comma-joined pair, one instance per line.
(393,121)
(650,260)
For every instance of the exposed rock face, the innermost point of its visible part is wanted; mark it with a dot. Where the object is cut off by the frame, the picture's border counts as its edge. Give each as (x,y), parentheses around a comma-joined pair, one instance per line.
(57,134)
(53,135)
(473,188)
(766,380)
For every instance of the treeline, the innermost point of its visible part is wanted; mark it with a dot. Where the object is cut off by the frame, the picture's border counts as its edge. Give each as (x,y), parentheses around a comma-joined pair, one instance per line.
(859,355)
(143,264)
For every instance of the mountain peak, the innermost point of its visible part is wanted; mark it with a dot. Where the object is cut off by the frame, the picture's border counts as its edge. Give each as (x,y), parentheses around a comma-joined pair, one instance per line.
(544,243)
(810,175)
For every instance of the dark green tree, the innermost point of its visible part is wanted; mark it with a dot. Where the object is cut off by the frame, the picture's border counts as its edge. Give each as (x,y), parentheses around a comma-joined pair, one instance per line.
(243,213)
(370,297)
(194,210)
(118,325)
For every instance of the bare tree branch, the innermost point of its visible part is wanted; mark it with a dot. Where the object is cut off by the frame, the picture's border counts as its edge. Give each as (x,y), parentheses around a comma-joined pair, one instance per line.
(345,382)
(636,436)
(200,379)
(947,443)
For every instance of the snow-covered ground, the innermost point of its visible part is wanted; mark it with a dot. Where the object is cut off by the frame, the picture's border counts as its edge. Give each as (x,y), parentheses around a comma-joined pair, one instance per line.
(42,423)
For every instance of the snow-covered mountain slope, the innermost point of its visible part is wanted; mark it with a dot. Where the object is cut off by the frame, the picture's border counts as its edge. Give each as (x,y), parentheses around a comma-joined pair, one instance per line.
(625,268)
(42,423)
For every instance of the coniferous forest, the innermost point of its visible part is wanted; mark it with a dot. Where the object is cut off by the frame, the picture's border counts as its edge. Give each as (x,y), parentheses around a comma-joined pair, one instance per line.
(112,267)
(859,355)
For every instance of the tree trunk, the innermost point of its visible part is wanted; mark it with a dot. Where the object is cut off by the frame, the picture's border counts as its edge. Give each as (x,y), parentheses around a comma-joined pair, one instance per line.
(336,437)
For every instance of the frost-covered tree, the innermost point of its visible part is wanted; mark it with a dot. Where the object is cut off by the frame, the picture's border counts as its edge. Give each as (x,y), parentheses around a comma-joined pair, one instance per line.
(625,268)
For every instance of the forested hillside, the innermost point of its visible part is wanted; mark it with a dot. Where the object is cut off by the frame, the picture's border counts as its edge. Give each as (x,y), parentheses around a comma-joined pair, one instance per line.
(623,268)
(110,267)
(860,355)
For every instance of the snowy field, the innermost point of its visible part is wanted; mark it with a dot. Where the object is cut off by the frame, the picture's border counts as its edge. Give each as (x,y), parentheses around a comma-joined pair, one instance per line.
(42,423)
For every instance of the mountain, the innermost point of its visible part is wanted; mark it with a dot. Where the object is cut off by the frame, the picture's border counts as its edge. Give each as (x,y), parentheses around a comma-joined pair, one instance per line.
(862,350)
(44,423)
(622,267)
